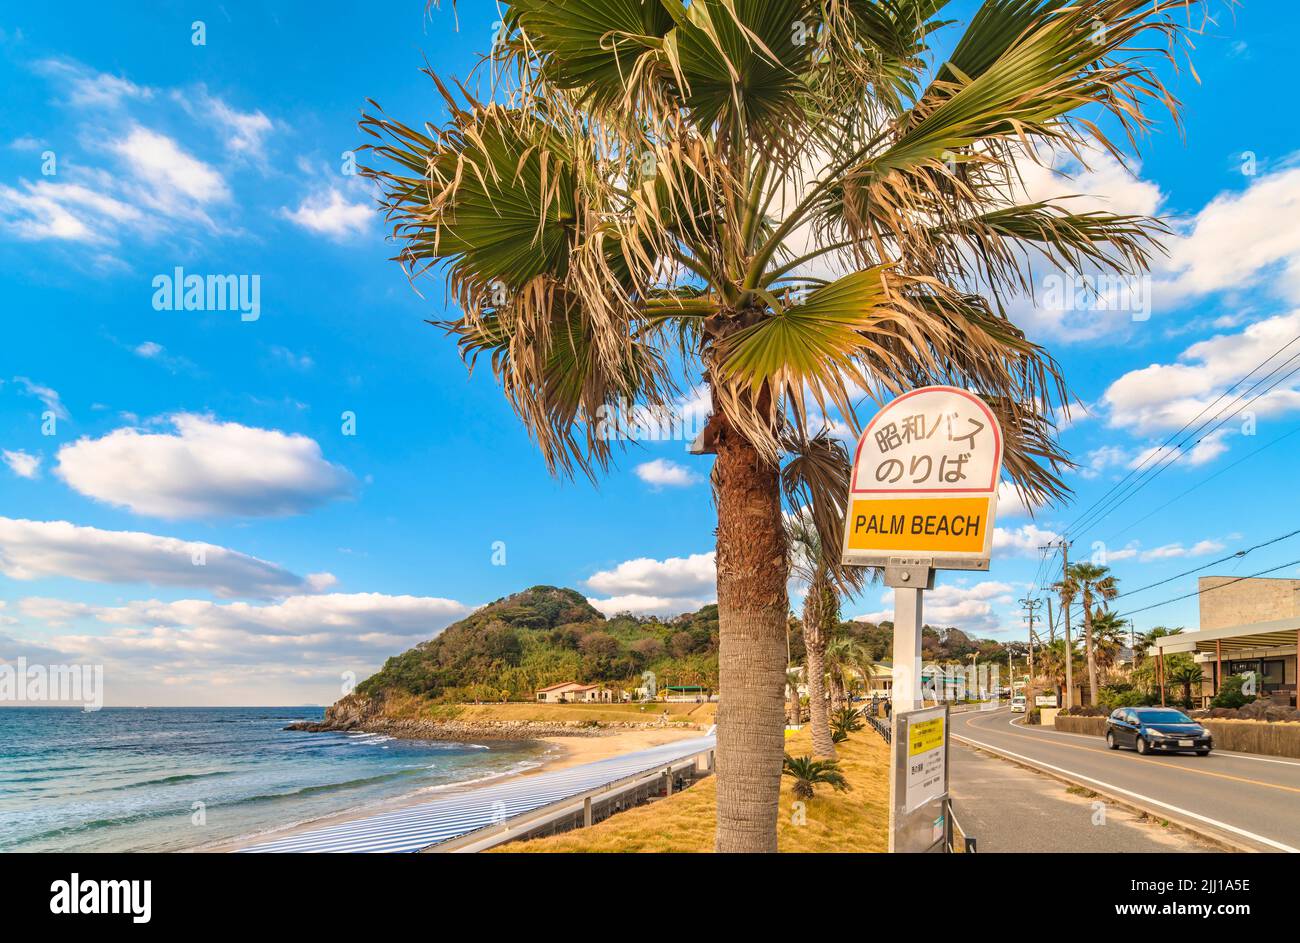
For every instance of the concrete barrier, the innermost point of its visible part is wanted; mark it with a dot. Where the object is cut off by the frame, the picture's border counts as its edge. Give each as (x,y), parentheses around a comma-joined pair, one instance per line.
(1256,736)
(1096,726)
(1239,736)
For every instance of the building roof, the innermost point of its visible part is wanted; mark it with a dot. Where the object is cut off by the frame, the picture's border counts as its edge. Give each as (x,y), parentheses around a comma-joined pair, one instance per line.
(1277,633)
(567,684)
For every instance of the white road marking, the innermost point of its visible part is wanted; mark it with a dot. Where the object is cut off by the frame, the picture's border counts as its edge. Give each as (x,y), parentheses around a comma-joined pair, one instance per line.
(1136,795)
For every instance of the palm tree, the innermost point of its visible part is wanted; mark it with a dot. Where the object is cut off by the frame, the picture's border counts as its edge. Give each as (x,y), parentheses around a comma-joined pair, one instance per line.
(808,773)
(790,202)
(847,661)
(1186,673)
(1095,584)
(1108,639)
(817,569)
(793,678)
(1146,639)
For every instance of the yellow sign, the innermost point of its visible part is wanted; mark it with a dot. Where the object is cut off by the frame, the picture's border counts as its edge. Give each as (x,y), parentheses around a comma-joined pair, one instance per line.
(920,525)
(925,736)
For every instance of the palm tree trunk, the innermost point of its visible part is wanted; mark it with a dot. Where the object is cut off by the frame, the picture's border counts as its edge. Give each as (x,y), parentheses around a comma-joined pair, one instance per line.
(818,715)
(752,611)
(1092,655)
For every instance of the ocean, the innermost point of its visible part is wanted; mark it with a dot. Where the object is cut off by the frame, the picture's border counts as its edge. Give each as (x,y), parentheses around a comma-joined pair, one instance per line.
(168,779)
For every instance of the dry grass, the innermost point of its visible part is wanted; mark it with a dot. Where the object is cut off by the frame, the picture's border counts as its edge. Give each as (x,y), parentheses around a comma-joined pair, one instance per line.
(601,713)
(857,820)
(407,706)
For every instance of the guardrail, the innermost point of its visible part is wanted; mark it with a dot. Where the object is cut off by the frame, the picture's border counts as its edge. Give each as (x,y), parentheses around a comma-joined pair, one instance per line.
(581,811)
(958,841)
(880,726)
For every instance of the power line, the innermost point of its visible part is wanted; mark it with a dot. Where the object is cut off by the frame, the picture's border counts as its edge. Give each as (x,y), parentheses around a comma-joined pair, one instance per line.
(1178,452)
(1211,589)
(1120,533)
(1175,434)
(1231,556)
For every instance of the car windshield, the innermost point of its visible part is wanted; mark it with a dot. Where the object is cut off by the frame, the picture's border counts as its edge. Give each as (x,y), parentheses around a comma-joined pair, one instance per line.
(1164,717)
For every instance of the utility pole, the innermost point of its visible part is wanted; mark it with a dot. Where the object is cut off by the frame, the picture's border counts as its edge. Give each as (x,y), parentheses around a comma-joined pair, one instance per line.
(1030,605)
(1069,650)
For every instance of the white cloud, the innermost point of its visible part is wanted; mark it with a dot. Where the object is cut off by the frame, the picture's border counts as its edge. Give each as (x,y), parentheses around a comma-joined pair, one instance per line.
(205,469)
(167,169)
(1164,397)
(87,88)
(1102,458)
(149,349)
(246,130)
(330,214)
(969,608)
(662,473)
(1176,550)
(23,464)
(641,605)
(72,211)
(198,652)
(31,550)
(656,587)
(1240,237)
(673,576)
(1023,541)
(48,396)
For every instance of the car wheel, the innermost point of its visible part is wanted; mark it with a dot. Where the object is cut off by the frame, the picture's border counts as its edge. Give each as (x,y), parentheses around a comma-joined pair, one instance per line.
(1110,741)
(1142,746)
(1204,751)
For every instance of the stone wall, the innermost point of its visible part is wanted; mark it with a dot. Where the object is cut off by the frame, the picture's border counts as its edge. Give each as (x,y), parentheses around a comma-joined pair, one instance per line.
(1246,601)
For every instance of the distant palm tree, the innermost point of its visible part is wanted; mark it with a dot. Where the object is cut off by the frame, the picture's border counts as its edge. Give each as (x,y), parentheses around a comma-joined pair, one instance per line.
(1108,639)
(1052,665)
(1146,639)
(808,773)
(796,204)
(1095,585)
(847,660)
(816,566)
(793,678)
(1186,673)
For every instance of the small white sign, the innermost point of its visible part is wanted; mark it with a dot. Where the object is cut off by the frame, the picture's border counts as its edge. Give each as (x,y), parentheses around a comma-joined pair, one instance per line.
(1045,700)
(927,743)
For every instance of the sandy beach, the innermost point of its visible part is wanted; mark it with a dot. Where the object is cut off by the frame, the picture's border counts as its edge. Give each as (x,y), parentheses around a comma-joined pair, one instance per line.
(561,752)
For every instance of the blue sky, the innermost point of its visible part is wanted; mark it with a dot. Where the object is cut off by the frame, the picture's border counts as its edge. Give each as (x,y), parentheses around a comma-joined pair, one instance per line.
(182,438)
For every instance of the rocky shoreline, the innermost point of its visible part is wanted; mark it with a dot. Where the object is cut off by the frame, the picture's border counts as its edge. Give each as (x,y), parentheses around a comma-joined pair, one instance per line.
(357,714)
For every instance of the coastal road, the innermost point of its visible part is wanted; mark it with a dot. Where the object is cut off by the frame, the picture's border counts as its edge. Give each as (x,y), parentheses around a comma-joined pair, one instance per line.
(1251,800)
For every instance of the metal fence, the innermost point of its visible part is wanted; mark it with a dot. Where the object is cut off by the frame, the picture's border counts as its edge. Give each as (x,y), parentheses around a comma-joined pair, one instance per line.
(880,726)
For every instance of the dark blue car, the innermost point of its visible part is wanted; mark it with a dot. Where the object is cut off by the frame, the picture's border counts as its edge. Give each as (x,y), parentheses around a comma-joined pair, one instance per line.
(1156,730)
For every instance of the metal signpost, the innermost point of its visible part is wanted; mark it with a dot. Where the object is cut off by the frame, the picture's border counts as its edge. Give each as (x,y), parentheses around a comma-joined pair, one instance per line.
(922,497)
(918,807)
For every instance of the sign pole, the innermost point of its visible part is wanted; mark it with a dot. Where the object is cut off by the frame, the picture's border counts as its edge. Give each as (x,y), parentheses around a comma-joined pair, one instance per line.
(922,497)
(909,580)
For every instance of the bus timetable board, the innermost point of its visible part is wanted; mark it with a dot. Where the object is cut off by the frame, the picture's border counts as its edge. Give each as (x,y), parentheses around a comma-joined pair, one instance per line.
(925,481)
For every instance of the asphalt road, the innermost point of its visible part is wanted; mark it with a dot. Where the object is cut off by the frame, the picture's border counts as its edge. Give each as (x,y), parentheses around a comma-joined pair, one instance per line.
(1008,808)
(1252,799)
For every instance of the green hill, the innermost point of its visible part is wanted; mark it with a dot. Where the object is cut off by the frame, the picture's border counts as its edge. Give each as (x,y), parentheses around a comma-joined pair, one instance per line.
(545,635)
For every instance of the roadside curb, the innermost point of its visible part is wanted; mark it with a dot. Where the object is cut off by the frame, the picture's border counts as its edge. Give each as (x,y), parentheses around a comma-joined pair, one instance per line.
(1198,829)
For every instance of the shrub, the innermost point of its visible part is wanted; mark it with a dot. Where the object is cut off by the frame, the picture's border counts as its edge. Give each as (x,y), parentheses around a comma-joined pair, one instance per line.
(808,773)
(1230,694)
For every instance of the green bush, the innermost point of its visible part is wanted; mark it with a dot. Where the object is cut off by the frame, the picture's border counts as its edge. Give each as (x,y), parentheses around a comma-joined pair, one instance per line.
(1230,695)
